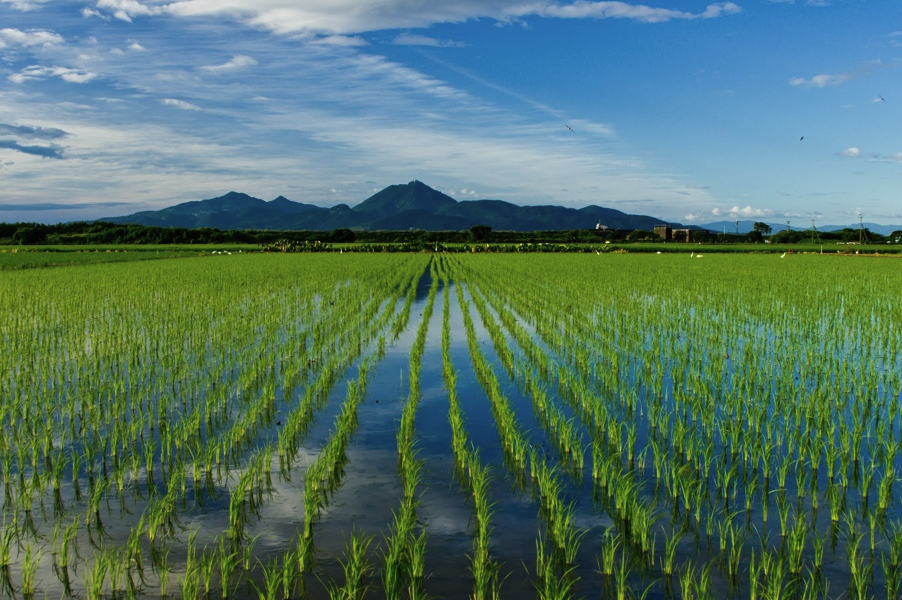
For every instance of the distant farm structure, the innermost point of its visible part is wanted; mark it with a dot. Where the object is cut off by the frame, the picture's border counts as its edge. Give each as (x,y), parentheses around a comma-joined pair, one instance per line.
(675,235)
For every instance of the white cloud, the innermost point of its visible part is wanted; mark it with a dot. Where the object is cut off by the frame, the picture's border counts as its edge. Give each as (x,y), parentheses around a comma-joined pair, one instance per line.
(409,39)
(745,212)
(65,73)
(352,16)
(236,63)
(124,10)
(90,12)
(347,41)
(134,46)
(851,152)
(832,79)
(821,81)
(637,12)
(23,5)
(180,104)
(33,37)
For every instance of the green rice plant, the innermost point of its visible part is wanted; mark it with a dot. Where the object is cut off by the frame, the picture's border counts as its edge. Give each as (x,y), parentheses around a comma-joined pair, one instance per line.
(551,583)
(7,537)
(670,549)
(687,581)
(227,559)
(795,544)
(416,563)
(394,562)
(190,583)
(272,579)
(817,549)
(609,544)
(860,568)
(207,566)
(95,577)
(357,569)
(885,491)
(30,564)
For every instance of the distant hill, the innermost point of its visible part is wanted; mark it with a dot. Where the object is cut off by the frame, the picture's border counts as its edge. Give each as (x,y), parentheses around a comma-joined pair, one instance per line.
(748,225)
(397,207)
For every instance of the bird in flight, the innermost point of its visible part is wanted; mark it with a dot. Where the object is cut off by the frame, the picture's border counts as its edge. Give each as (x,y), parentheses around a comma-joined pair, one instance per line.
(882,99)
(570,128)
(801,138)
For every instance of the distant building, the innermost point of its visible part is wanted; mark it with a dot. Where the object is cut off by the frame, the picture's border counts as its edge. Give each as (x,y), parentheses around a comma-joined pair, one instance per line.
(670,234)
(682,235)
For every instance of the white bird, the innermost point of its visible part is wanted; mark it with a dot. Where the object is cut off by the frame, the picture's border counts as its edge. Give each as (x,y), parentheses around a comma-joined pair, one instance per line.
(598,253)
(783,255)
(698,256)
(691,254)
(659,251)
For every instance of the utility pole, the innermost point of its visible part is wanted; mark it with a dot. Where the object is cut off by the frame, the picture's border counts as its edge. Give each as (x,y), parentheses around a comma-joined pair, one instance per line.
(814,232)
(737,227)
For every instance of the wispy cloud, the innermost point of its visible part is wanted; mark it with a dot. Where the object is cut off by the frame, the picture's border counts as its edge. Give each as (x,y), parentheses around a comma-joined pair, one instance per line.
(350,16)
(24,5)
(180,104)
(51,151)
(833,79)
(44,206)
(32,132)
(636,12)
(65,73)
(236,63)
(410,39)
(851,152)
(347,41)
(32,37)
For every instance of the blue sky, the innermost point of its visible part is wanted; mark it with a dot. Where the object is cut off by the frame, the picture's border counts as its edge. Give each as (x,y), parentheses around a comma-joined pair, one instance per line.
(689,111)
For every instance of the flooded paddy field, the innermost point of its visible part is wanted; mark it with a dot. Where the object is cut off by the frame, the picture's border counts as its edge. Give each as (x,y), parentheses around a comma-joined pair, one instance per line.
(452,426)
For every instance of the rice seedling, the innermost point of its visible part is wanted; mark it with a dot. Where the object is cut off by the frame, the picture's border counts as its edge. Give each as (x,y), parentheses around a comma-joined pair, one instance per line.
(357,569)
(30,563)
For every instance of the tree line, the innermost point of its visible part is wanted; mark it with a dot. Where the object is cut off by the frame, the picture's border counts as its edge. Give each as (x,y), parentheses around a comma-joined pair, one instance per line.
(100,232)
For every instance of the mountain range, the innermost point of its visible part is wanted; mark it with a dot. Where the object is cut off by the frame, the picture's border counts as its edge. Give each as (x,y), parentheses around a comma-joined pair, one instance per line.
(415,206)
(397,207)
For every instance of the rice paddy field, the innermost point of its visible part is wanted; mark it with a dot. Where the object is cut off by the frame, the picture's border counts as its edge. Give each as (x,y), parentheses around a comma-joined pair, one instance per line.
(263,426)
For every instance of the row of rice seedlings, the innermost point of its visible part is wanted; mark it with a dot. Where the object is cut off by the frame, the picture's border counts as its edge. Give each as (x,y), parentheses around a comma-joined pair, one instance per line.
(761,451)
(514,443)
(635,516)
(561,430)
(175,433)
(473,474)
(563,536)
(404,553)
(326,473)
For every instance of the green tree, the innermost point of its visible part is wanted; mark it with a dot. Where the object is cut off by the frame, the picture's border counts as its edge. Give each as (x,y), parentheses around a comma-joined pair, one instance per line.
(480,233)
(762,228)
(342,235)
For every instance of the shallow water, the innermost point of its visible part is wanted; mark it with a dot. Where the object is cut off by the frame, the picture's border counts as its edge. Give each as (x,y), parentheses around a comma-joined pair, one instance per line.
(369,491)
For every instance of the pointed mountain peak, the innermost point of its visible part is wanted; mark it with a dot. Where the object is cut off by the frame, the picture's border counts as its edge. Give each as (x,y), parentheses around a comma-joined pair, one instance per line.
(394,199)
